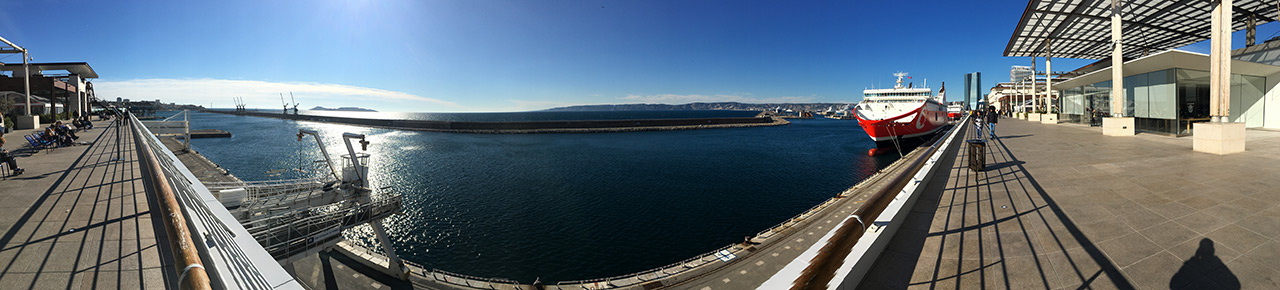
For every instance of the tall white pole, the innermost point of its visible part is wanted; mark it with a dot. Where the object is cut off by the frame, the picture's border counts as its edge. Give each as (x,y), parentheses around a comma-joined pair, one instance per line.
(1048,80)
(26,79)
(1220,62)
(1035,102)
(1117,62)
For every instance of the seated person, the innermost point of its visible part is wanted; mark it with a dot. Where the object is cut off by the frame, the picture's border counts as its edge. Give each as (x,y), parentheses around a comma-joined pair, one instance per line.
(13,162)
(48,135)
(82,123)
(64,130)
(53,136)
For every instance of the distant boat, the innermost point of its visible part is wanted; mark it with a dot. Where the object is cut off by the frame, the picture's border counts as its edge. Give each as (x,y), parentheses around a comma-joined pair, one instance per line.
(955,110)
(900,112)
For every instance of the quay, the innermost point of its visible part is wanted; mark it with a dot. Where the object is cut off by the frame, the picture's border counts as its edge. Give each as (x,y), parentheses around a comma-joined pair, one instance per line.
(80,218)
(531,127)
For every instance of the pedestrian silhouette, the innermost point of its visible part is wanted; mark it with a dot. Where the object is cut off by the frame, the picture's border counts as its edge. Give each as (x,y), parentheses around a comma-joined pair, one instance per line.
(1207,267)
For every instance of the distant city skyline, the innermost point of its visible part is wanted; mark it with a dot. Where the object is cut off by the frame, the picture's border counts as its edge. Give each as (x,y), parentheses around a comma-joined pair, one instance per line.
(493,56)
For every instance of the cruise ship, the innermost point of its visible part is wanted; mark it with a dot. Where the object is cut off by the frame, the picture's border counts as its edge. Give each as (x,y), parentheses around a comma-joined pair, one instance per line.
(900,112)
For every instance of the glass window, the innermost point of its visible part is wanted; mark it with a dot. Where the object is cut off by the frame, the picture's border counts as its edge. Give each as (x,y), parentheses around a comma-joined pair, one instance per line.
(1162,98)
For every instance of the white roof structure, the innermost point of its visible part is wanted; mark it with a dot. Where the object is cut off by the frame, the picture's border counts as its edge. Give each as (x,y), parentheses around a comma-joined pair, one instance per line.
(1082,28)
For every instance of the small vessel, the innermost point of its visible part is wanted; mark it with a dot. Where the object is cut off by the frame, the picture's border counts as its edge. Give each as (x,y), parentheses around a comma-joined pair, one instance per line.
(900,112)
(955,110)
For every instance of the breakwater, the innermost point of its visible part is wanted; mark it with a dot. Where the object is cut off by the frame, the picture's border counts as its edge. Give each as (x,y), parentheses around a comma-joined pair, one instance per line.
(529,127)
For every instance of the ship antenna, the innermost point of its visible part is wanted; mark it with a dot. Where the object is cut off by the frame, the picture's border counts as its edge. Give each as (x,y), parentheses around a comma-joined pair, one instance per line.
(899,75)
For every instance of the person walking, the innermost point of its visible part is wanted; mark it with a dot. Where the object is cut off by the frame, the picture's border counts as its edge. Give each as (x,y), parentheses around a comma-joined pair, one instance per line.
(992,118)
(977,114)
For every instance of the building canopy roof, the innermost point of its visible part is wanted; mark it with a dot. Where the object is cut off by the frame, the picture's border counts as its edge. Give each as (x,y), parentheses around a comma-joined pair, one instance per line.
(1082,28)
(79,68)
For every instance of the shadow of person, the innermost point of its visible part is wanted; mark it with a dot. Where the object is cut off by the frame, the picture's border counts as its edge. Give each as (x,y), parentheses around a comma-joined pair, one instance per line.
(1204,268)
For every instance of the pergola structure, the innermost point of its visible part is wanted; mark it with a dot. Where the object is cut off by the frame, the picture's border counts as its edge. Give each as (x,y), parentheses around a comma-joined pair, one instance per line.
(1116,29)
(1082,29)
(48,80)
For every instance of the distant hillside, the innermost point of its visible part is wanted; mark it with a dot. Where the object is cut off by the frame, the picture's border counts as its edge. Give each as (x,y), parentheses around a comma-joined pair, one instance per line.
(704,106)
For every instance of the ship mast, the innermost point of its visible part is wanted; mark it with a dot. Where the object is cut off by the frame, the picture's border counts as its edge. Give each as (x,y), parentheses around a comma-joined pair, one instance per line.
(899,75)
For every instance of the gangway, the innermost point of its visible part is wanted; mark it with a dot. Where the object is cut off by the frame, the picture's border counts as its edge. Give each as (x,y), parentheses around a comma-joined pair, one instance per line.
(297,217)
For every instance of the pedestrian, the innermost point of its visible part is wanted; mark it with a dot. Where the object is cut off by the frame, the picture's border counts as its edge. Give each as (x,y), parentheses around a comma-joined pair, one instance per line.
(977,121)
(992,119)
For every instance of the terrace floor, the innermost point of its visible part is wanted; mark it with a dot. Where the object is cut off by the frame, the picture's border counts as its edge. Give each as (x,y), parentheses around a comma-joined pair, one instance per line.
(79,217)
(1064,207)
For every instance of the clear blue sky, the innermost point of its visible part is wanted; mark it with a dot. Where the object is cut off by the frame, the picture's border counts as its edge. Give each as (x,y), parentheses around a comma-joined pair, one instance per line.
(439,56)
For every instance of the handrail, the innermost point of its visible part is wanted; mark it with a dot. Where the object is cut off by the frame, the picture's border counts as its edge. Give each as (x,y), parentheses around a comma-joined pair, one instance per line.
(822,268)
(191,270)
(232,258)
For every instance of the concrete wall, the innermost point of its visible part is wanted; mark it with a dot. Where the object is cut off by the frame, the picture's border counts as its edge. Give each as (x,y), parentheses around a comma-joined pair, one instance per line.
(1271,105)
(514,127)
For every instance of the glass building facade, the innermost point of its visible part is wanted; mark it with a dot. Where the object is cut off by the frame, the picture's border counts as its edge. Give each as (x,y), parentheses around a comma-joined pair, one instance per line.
(1164,101)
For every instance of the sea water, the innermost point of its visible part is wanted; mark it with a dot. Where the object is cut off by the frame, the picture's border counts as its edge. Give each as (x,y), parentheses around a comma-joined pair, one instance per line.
(567,206)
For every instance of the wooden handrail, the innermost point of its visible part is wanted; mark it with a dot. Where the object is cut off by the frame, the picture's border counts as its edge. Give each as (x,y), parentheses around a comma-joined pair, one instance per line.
(831,256)
(190,269)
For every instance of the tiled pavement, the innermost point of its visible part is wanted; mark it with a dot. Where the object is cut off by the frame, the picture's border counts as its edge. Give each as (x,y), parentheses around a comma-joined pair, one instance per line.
(1063,207)
(78,218)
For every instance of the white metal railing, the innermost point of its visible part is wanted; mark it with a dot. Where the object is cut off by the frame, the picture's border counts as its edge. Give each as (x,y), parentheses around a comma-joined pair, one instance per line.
(291,232)
(174,128)
(231,256)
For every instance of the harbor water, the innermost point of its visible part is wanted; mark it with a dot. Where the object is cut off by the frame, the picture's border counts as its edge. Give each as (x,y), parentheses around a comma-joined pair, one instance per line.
(568,206)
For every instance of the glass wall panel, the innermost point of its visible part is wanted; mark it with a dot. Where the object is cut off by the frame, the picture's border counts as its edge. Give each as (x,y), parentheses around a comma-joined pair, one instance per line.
(1193,98)
(1072,104)
(1135,87)
(1162,98)
(1236,92)
(1097,102)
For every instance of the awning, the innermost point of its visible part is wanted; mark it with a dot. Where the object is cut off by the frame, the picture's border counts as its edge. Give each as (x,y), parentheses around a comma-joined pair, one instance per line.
(1082,28)
(79,68)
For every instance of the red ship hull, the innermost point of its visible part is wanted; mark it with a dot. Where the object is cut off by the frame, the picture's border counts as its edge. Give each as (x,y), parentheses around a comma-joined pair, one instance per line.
(925,120)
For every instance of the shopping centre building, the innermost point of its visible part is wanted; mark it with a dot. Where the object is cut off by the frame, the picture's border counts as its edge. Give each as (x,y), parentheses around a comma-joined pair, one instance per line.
(1156,88)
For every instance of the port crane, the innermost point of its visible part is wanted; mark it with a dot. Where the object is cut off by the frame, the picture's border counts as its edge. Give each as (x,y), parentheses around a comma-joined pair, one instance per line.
(295,103)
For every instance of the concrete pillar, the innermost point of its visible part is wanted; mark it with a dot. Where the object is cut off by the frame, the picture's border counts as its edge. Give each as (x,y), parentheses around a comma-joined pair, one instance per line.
(1050,117)
(1219,136)
(1117,124)
(1035,94)
(75,100)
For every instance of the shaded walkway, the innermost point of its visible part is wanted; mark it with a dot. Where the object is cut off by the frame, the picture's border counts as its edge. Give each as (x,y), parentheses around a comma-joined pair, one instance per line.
(1063,207)
(79,218)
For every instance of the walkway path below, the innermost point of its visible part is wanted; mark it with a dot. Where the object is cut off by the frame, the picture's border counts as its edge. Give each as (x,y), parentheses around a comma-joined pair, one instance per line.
(1063,207)
(79,218)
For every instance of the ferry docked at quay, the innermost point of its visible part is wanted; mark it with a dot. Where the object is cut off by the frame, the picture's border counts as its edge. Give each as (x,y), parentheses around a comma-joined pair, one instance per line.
(901,112)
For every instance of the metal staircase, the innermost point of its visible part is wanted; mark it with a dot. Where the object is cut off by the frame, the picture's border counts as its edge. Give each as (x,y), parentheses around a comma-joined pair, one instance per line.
(292,218)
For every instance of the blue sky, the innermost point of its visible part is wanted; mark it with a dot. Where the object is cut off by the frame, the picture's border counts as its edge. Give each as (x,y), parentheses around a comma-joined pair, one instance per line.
(450,56)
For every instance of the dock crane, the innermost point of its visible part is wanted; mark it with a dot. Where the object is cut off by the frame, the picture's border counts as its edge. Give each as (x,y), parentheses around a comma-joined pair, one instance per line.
(295,103)
(286,105)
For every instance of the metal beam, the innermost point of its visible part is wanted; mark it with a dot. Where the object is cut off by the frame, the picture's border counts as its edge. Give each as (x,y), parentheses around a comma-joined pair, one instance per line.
(1057,31)
(1100,18)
